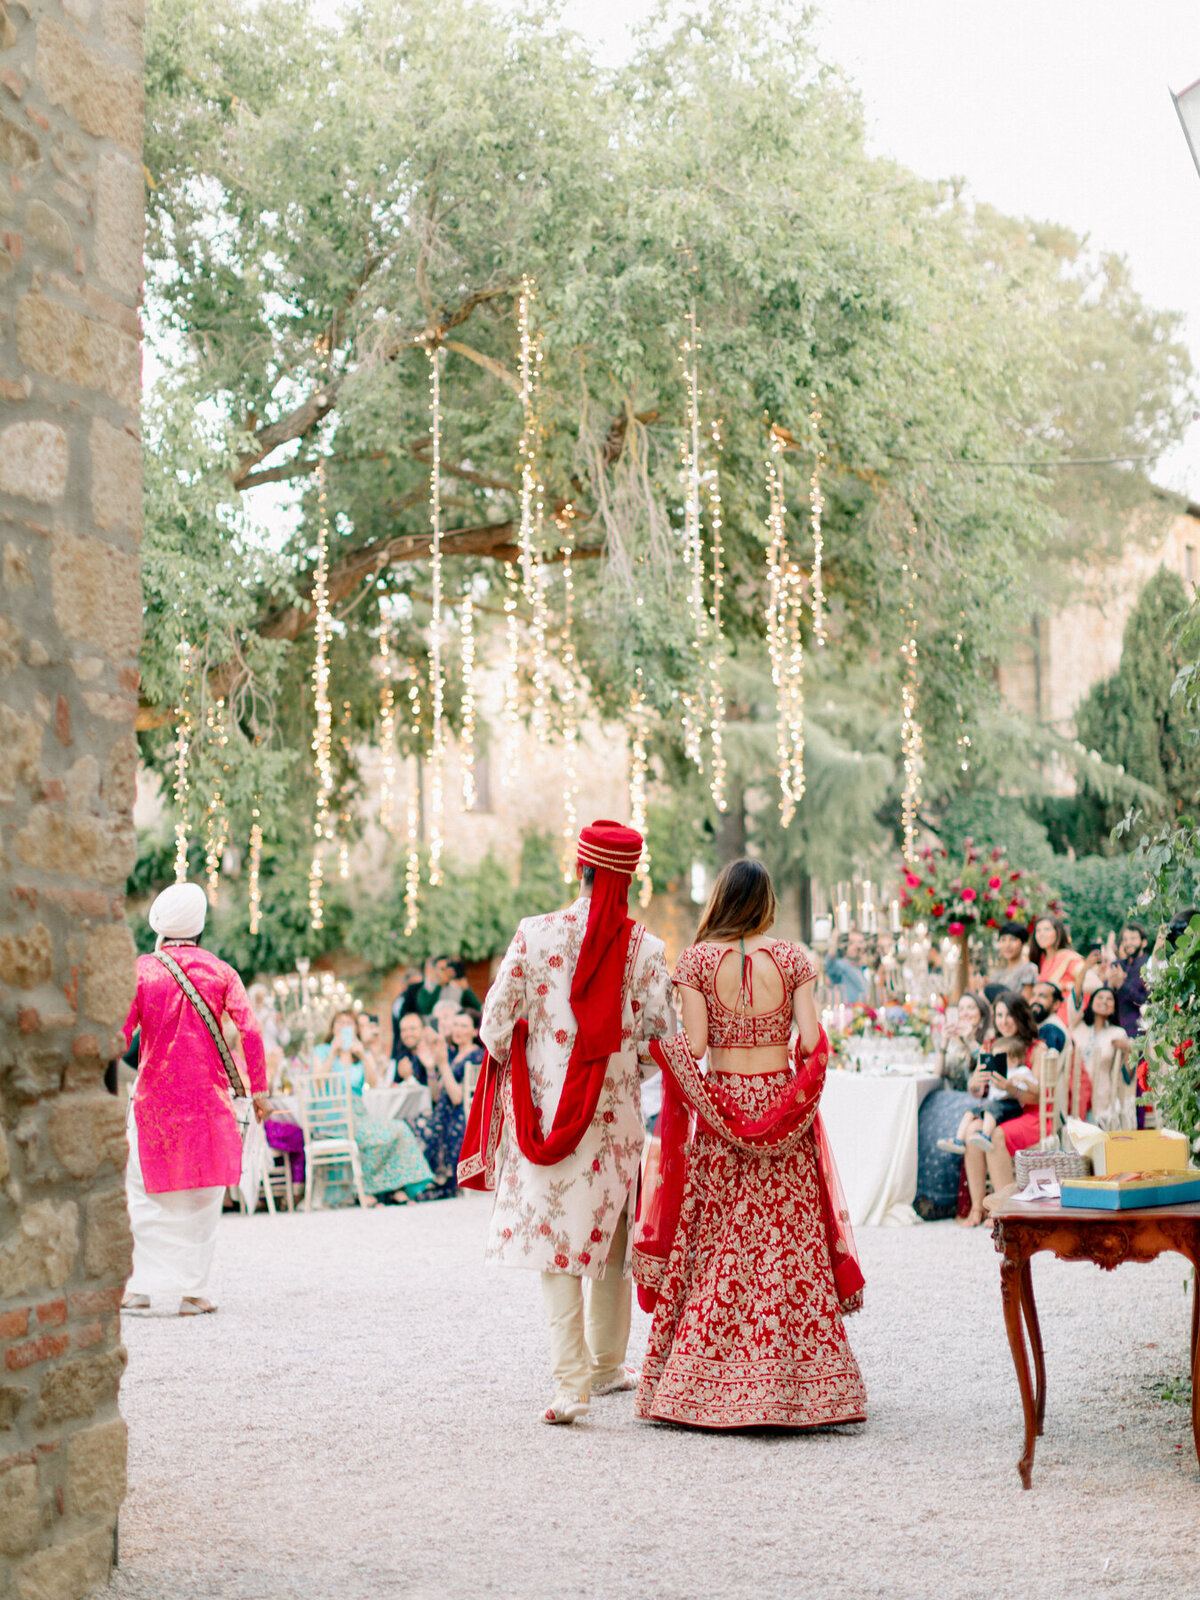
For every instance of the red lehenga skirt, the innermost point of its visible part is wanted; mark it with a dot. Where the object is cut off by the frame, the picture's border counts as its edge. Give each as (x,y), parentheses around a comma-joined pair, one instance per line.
(747,1330)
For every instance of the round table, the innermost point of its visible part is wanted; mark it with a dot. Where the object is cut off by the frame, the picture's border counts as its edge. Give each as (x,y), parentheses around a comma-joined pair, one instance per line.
(871,1120)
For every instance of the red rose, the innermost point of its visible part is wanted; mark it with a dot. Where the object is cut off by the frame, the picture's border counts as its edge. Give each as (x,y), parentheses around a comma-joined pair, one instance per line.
(561,1261)
(584,1258)
(991,923)
(993,883)
(955,928)
(911,879)
(596,1236)
(937,909)
(609,1117)
(996,853)
(1181,1051)
(1013,876)
(968,895)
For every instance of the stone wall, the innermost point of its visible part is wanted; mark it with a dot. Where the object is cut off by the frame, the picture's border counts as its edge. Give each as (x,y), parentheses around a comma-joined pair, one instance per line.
(70,616)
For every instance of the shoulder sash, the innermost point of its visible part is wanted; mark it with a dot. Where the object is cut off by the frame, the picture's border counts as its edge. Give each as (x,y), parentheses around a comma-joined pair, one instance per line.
(204,1011)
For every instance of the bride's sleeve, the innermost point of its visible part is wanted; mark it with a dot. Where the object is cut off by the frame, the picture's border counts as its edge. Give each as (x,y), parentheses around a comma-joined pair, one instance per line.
(689,973)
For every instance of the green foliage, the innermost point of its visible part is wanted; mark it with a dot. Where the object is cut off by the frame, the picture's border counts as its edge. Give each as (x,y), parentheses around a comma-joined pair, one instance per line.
(1171,1022)
(998,821)
(1133,718)
(323,198)
(1098,894)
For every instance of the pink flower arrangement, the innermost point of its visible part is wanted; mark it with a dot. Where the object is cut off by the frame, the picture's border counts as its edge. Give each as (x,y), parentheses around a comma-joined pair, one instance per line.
(979,889)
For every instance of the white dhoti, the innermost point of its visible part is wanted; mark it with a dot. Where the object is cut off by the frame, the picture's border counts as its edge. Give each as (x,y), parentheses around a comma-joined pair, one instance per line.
(174,1233)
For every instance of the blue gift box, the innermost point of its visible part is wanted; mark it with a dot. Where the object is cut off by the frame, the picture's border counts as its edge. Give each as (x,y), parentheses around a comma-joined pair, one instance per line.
(1129,1191)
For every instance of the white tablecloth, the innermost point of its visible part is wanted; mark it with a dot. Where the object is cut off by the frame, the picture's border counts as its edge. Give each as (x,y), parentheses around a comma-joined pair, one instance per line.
(871,1121)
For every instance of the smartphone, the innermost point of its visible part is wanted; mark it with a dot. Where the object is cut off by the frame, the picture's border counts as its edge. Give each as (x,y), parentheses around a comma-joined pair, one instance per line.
(346,1037)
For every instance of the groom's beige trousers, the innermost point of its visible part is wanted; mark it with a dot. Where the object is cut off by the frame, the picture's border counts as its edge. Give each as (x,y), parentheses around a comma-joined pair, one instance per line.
(589,1333)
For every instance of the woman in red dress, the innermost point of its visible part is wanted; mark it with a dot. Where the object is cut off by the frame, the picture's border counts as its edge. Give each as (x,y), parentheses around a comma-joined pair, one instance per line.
(744,1249)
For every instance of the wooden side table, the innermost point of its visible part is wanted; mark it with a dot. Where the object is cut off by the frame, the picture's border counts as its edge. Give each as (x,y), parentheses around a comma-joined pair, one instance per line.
(1106,1237)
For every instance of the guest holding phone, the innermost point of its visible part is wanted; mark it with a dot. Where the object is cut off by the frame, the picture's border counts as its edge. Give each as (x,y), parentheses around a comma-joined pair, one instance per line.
(1012,1098)
(393,1166)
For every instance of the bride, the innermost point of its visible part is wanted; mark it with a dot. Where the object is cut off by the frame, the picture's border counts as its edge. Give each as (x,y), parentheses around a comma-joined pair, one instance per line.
(744,1250)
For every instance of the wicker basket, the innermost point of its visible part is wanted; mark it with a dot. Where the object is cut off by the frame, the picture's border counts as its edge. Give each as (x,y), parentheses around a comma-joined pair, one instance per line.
(1062,1163)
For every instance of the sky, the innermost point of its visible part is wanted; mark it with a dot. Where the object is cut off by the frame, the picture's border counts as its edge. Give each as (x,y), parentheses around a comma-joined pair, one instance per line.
(1052,109)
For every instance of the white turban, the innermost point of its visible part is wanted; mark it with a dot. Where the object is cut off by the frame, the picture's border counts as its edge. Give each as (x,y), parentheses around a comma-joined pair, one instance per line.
(179,912)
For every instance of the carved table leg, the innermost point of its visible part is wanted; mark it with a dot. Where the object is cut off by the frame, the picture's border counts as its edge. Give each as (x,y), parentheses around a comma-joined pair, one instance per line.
(1035,1339)
(1011,1271)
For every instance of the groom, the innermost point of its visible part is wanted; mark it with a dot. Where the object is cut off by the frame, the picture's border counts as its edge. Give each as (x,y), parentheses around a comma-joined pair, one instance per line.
(556,1123)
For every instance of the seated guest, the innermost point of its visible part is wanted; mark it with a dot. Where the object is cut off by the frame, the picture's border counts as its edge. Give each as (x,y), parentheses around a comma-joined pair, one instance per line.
(1104,1046)
(406,1054)
(964,1089)
(1011,1079)
(1016,973)
(424,994)
(392,1163)
(441,1132)
(1045,1005)
(844,969)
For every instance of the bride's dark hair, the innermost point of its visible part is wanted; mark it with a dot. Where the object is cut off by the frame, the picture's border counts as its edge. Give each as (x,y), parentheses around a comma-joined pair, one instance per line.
(742,903)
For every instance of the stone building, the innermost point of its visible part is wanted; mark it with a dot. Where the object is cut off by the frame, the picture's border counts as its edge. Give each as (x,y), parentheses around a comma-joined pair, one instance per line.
(70,620)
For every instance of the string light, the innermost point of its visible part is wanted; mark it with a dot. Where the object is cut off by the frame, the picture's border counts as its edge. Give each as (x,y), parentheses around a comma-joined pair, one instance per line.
(911,746)
(693,700)
(816,503)
(637,787)
(512,714)
(344,814)
(387,731)
(412,866)
(785,597)
(963,742)
(716,691)
(569,703)
(467,645)
(255,874)
(533,504)
(323,730)
(216,817)
(437,797)
(183,747)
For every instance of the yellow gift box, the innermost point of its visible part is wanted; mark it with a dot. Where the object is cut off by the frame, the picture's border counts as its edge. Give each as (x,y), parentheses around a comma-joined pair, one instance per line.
(1152,1150)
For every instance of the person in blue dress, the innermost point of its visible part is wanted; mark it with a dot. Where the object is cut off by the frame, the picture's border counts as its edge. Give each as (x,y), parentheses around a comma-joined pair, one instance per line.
(450,1064)
(393,1166)
(938,1170)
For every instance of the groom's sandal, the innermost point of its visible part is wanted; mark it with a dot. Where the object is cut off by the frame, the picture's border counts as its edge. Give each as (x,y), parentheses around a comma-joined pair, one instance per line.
(136,1302)
(565,1408)
(192,1306)
(624,1380)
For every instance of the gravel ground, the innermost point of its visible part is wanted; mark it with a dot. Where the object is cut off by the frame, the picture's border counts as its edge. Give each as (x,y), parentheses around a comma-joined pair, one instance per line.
(361,1420)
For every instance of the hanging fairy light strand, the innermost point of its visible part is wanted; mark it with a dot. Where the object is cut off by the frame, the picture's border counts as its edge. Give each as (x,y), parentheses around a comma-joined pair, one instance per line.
(911,745)
(412,864)
(387,730)
(437,682)
(637,786)
(343,824)
(323,730)
(255,869)
(467,649)
(533,505)
(183,749)
(570,705)
(216,835)
(510,748)
(716,662)
(785,598)
(816,504)
(694,710)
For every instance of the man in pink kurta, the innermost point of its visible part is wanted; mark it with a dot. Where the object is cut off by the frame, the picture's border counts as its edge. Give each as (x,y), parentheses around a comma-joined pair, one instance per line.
(185,1146)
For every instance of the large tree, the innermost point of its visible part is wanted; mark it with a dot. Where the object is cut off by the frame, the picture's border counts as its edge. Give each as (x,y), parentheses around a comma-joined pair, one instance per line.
(325,205)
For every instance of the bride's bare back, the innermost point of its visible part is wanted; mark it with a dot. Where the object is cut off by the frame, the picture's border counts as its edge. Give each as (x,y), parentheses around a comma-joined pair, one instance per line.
(719,1002)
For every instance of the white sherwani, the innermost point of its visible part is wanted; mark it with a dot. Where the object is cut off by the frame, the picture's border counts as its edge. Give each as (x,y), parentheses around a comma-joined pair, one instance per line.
(562,1218)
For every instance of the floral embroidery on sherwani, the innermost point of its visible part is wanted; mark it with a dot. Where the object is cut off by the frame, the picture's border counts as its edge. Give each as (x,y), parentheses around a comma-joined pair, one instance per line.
(562,1218)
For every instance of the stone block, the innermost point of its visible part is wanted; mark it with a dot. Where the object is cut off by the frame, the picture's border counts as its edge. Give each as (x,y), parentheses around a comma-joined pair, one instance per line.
(37,1071)
(119,786)
(96,1470)
(16,569)
(108,1243)
(14,1324)
(50,229)
(105,99)
(27,959)
(67,1571)
(109,976)
(33,461)
(39,1252)
(20,1514)
(21,742)
(122,21)
(104,848)
(85,1131)
(78,1387)
(97,593)
(62,343)
(10,646)
(12,1399)
(119,224)
(46,1347)
(18,147)
(116,478)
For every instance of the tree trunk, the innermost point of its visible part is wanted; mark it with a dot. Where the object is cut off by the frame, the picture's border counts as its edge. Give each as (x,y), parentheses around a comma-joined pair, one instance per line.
(804,907)
(962,972)
(731,829)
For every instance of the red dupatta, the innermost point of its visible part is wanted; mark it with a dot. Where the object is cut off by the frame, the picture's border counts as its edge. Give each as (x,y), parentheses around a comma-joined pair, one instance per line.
(693,1102)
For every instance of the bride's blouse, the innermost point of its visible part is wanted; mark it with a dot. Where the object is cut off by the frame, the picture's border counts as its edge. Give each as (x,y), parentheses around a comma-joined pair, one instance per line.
(739,1028)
